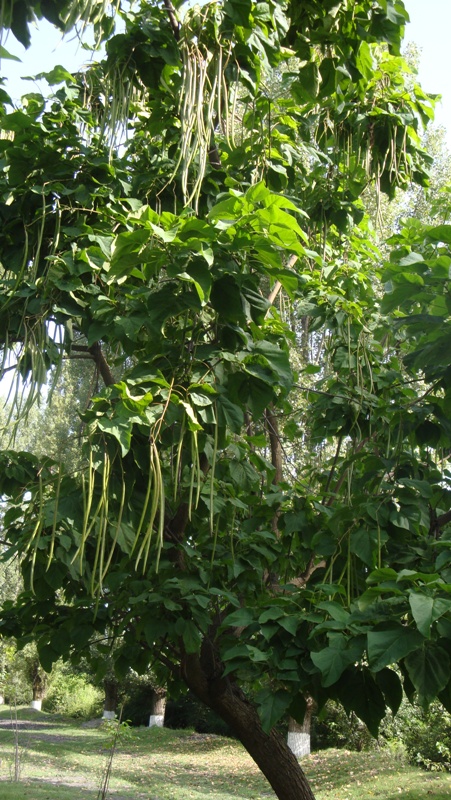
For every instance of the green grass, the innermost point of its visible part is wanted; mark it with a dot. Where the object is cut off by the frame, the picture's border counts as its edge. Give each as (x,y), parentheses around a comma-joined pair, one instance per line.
(65,762)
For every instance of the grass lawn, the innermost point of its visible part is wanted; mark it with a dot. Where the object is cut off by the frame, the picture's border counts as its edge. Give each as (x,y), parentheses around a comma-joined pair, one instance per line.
(60,760)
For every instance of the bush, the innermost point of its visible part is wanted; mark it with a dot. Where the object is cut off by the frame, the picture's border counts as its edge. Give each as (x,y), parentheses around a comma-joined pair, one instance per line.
(334,728)
(73,696)
(424,735)
(137,705)
(188,712)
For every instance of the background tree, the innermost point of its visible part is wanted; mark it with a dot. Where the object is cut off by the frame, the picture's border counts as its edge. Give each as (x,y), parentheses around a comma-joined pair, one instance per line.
(167,258)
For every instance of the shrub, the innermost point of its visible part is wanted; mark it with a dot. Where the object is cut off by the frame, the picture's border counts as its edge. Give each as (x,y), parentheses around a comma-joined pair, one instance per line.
(138,702)
(425,735)
(334,728)
(73,696)
(188,712)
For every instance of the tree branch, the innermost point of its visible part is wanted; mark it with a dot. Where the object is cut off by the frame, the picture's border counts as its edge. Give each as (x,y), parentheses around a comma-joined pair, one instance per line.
(101,364)
(272,426)
(442,520)
(172,19)
(277,286)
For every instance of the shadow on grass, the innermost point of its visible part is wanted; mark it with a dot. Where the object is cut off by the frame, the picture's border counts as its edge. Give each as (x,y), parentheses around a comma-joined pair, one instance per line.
(35,790)
(195,775)
(167,740)
(427,794)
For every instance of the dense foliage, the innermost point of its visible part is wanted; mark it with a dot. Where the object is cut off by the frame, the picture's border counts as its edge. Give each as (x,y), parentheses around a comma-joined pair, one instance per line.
(187,217)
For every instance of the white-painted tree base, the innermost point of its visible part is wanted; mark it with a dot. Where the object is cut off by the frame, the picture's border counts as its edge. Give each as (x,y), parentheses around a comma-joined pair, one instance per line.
(36,704)
(108,714)
(299,743)
(2,700)
(156,720)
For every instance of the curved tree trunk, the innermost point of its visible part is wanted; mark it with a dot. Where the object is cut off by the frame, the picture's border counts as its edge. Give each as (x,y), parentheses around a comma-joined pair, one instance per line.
(156,718)
(269,750)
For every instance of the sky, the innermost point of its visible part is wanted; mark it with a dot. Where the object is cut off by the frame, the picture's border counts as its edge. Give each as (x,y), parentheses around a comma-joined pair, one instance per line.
(430,29)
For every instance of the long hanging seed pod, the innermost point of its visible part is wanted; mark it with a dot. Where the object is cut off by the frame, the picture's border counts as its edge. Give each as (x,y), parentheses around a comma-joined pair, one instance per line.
(157,499)
(55,517)
(118,527)
(88,494)
(37,530)
(212,477)
(102,527)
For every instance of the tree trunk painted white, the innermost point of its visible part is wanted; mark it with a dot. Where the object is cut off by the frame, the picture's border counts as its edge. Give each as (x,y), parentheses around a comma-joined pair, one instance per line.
(111,688)
(2,700)
(299,743)
(156,719)
(36,704)
(299,735)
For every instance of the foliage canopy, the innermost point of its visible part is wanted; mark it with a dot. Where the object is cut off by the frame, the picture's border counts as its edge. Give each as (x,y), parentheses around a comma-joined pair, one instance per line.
(187,216)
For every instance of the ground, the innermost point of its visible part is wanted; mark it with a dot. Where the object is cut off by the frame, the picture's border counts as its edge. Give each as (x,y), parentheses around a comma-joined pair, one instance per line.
(66,760)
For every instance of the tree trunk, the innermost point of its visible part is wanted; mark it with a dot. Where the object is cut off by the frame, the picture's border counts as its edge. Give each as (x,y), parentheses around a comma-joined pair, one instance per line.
(39,687)
(299,735)
(111,697)
(156,718)
(269,750)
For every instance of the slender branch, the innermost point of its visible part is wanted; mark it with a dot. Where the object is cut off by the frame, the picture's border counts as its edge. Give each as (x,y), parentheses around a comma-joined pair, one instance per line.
(443,519)
(334,464)
(302,579)
(274,292)
(172,19)
(342,477)
(277,286)
(101,364)
(272,426)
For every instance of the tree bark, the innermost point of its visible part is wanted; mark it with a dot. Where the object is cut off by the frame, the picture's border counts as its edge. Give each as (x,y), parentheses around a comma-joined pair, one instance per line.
(269,750)
(39,685)
(156,718)
(111,698)
(299,735)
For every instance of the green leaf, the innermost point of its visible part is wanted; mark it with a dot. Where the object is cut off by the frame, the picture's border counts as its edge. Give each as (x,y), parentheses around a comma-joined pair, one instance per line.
(389,646)
(364,60)
(191,637)
(9,56)
(227,300)
(364,544)
(358,692)
(298,708)
(390,684)
(426,610)
(47,656)
(440,233)
(335,610)
(333,660)
(202,279)
(57,75)
(278,361)
(120,429)
(244,652)
(289,624)
(240,618)
(428,669)
(272,705)
(230,414)
(19,22)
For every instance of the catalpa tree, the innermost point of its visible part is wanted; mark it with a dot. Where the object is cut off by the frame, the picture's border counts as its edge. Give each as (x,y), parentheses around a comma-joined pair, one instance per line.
(185,215)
